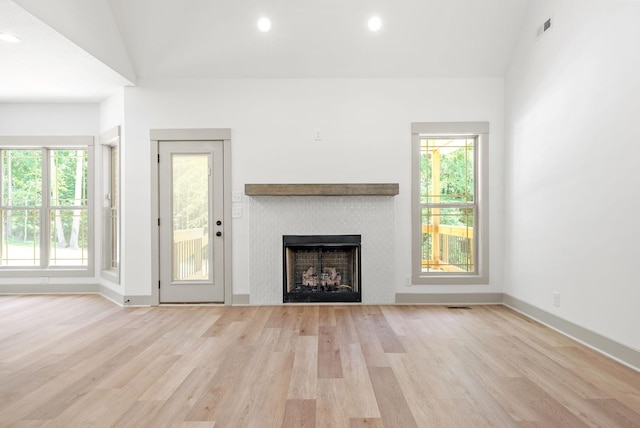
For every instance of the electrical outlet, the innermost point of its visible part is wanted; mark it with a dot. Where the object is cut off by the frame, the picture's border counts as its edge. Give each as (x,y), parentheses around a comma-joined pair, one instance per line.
(407,281)
(556,299)
(236,196)
(316,135)
(236,212)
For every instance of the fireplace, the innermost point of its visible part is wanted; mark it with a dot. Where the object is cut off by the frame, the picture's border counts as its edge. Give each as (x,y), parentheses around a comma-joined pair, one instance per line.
(321,268)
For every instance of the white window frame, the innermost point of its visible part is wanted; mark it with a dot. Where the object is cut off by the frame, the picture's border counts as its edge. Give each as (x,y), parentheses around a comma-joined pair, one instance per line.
(480,130)
(110,141)
(56,143)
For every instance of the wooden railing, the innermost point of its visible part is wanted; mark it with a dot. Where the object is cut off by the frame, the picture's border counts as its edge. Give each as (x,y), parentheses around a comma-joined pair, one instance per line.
(189,252)
(446,257)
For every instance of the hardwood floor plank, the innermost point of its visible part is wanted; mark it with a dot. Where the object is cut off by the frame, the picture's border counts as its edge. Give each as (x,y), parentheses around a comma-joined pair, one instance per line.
(67,371)
(329,362)
(222,386)
(195,322)
(423,390)
(397,317)
(268,396)
(391,401)
(304,373)
(71,361)
(387,337)
(613,413)
(365,423)
(554,376)
(68,374)
(62,398)
(127,395)
(299,414)
(326,316)
(224,320)
(167,383)
(176,408)
(371,348)
(346,332)
(196,425)
(533,404)
(87,409)
(139,414)
(332,404)
(289,328)
(310,321)
(358,383)
(254,325)
(237,374)
(610,377)
(458,389)
(279,317)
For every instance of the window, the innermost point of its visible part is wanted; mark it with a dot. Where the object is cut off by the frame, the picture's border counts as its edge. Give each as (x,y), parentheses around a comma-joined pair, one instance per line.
(110,142)
(450,203)
(45,208)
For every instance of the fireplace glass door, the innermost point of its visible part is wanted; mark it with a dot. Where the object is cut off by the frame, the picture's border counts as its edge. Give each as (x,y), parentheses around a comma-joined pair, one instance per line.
(321,268)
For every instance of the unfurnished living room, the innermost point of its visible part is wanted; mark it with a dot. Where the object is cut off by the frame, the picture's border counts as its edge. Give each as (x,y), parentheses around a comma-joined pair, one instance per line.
(269,213)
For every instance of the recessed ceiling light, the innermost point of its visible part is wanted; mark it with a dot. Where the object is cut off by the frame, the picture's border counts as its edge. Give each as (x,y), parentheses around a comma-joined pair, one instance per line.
(9,38)
(375,23)
(264,24)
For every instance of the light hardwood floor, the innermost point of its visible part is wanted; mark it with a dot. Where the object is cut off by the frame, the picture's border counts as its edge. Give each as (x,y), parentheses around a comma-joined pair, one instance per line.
(76,361)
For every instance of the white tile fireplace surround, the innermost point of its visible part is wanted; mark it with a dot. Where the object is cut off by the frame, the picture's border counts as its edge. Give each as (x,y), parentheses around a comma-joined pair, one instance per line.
(271,217)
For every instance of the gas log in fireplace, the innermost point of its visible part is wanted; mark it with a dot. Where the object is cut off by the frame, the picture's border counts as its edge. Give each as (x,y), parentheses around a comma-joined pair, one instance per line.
(321,268)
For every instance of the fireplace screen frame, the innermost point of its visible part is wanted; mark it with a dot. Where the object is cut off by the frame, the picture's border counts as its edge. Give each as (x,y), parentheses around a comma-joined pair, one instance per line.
(325,285)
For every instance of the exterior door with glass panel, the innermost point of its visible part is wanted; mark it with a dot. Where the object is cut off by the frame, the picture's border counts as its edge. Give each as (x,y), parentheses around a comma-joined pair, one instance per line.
(191,215)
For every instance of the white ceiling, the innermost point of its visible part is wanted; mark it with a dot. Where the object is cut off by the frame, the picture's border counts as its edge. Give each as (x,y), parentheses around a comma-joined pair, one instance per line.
(219,38)
(46,66)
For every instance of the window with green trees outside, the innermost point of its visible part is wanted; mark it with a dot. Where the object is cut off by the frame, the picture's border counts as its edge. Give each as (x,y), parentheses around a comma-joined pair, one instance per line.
(44,209)
(449,191)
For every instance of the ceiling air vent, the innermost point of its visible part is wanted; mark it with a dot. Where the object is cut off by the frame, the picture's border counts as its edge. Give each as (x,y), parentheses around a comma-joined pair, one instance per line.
(544,27)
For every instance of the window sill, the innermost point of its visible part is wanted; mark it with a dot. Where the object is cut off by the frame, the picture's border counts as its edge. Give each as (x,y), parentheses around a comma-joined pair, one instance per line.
(437,279)
(111,275)
(44,273)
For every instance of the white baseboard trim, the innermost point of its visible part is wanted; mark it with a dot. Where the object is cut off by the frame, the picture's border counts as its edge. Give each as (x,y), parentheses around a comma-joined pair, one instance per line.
(49,289)
(110,294)
(241,299)
(136,300)
(119,299)
(123,300)
(619,352)
(449,298)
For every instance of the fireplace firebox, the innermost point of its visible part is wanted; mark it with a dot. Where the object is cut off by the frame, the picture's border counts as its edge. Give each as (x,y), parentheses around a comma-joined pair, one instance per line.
(321,268)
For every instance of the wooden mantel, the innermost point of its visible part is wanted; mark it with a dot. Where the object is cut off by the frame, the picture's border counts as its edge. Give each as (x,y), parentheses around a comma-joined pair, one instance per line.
(338,189)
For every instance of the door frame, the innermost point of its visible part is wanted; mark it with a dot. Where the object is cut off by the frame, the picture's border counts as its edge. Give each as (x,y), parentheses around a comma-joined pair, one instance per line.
(190,135)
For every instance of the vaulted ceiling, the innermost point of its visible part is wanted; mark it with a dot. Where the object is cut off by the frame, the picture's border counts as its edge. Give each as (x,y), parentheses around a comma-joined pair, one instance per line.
(81,50)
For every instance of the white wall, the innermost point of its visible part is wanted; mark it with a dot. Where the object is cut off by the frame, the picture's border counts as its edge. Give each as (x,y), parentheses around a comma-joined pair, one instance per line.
(49,120)
(572,107)
(366,136)
(112,111)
